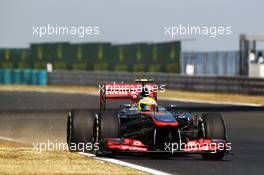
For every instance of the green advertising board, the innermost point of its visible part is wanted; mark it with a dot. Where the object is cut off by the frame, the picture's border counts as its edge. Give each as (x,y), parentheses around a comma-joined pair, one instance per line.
(79,62)
(154,62)
(7,59)
(23,58)
(104,61)
(38,57)
(59,55)
(94,53)
(14,58)
(130,57)
(56,53)
(118,62)
(102,56)
(168,56)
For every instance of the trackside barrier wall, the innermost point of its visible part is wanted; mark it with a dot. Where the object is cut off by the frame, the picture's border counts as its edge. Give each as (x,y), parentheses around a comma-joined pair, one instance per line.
(24,76)
(233,84)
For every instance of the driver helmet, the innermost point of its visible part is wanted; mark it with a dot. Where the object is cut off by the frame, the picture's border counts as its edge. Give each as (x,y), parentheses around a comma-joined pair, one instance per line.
(147,104)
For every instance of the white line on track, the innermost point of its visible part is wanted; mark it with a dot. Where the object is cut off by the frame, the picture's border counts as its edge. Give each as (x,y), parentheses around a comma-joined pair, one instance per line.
(11,139)
(209,102)
(126,164)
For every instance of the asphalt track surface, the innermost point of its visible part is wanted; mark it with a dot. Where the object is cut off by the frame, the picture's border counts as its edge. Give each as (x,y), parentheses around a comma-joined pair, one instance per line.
(39,117)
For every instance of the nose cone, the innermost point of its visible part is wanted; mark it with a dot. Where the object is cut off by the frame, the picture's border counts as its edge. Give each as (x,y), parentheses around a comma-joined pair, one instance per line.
(165,119)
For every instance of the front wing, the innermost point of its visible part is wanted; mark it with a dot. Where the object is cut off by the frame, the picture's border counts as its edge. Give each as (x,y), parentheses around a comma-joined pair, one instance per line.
(118,145)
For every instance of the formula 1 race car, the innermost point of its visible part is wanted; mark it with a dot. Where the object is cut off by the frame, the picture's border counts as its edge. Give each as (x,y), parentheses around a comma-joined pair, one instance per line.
(137,128)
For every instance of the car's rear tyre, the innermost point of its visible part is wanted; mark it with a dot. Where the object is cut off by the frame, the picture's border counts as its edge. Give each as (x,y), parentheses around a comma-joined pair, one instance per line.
(109,127)
(212,126)
(80,127)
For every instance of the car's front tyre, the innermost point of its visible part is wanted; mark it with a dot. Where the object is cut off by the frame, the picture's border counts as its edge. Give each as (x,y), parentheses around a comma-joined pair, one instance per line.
(212,126)
(109,127)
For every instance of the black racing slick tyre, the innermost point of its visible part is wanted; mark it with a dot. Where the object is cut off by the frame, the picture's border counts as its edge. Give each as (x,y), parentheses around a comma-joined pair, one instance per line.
(109,127)
(80,130)
(212,126)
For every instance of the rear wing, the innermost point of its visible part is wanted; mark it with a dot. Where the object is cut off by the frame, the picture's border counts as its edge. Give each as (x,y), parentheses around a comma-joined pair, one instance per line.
(123,91)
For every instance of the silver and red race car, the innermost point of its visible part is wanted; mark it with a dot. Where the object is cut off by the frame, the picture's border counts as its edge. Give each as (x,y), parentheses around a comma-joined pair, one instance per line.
(130,131)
